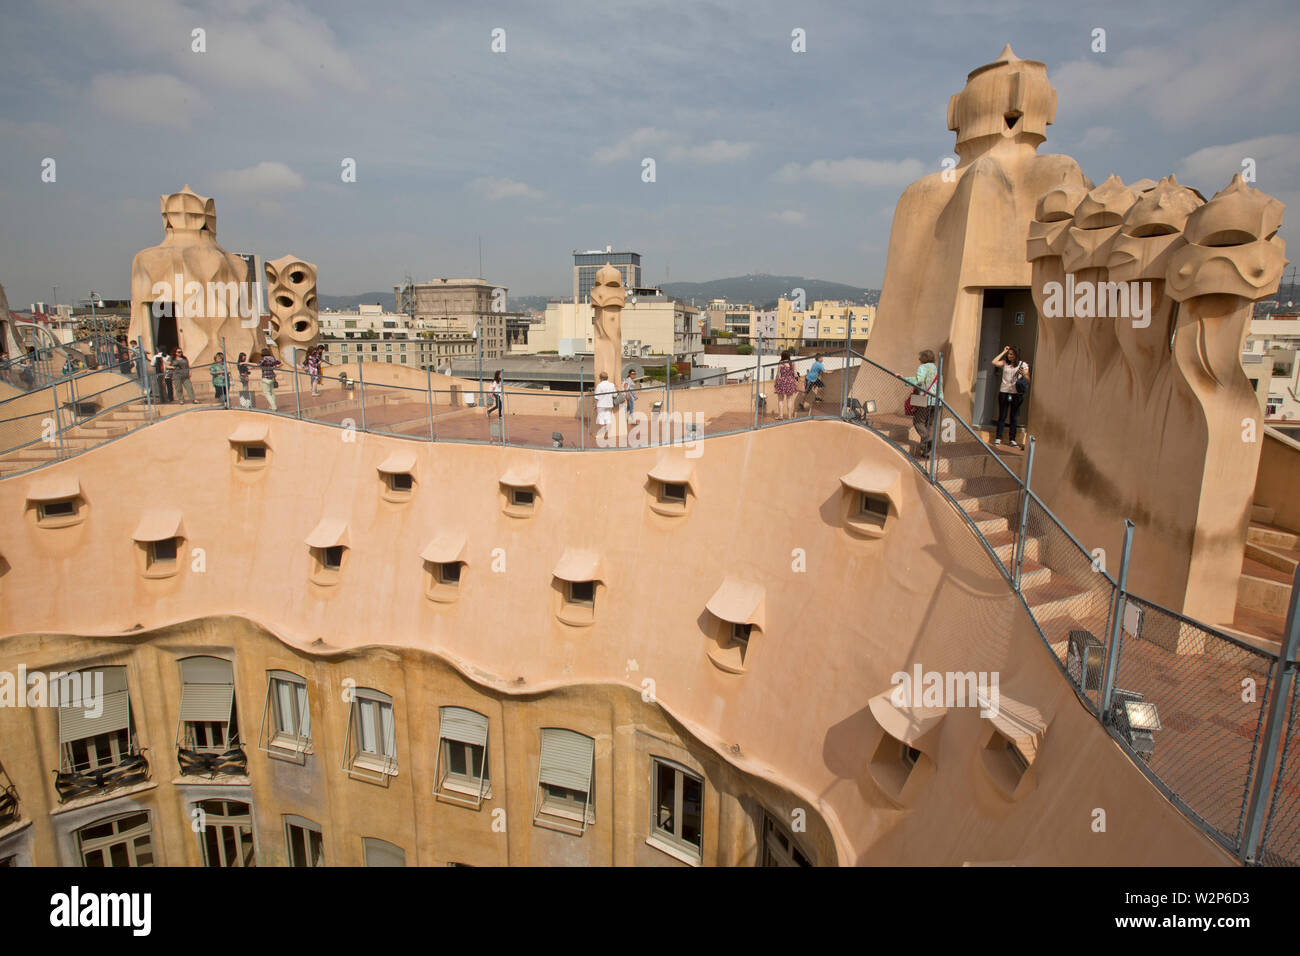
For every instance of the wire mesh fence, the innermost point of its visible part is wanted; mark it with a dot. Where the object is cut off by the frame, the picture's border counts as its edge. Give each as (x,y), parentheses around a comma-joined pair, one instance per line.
(1280,845)
(1190,703)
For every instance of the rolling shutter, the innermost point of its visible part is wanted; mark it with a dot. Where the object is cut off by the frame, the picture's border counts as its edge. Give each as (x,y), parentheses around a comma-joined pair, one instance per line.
(464,726)
(208,689)
(114,710)
(566,759)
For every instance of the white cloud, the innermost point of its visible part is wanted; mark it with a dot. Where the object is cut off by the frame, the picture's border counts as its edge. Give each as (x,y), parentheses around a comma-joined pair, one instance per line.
(1277,165)
(672,147)
(711,153)
(1095,136)
(493,189)
(1181,87)
(150,99)
(854,172)
(264,177)
(791,217)
(251,47)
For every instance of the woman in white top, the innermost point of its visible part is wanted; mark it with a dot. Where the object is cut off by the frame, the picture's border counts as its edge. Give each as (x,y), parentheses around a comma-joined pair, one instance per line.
(1009,397)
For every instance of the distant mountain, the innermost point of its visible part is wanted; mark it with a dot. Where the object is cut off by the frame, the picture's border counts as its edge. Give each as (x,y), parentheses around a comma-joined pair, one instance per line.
(349,303)
(764,290)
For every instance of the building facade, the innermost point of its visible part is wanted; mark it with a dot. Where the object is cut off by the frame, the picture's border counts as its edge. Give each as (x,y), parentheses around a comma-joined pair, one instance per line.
(462,305)
(372,335)
(586,264)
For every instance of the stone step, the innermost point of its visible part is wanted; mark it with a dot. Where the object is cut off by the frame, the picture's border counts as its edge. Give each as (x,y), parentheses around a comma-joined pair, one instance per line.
(990,524)
(1003,504)
(1261,513)
(1263,589)
(1004,542)
(1034,575)
(98,430)
(1056,598)
(1279,559)
(1271,535)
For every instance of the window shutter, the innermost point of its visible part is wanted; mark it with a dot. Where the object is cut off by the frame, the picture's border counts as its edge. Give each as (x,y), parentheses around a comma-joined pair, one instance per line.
(114,716)
(207,701)
(382,853)
(463,725)
(566,759)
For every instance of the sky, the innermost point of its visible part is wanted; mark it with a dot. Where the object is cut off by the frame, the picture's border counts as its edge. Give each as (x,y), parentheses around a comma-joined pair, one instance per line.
(766,159)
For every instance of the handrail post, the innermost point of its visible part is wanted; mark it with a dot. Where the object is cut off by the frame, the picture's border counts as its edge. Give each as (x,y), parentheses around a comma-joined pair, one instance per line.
(297,388)
(1116,625)
(58,425)
(361,388)
(582,420)
(144,375)
(1252,832)
(844,370)
(936,412)
(1018,552)
(758,380)
(428,377)
(225,372)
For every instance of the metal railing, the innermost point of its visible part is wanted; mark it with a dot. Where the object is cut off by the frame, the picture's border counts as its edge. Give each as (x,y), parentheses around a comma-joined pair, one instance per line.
(1168,689)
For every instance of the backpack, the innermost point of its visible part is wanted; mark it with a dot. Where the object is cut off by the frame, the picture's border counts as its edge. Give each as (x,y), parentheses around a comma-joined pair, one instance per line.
(1021,383)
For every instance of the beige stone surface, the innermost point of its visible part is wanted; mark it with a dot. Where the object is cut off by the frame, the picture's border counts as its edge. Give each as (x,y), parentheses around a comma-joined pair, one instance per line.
(291,300)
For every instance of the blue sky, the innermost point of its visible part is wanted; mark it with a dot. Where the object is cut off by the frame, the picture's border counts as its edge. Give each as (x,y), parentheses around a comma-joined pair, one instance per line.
(766,160)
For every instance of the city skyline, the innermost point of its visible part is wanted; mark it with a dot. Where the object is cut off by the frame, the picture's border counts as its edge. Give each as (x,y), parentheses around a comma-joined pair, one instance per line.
(766,160)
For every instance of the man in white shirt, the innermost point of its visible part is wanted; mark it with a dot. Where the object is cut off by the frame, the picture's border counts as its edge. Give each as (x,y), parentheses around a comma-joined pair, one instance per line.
(604,401)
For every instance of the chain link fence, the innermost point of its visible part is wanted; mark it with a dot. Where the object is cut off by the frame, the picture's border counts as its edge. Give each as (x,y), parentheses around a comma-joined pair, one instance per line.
(1280,845)
(1190,704)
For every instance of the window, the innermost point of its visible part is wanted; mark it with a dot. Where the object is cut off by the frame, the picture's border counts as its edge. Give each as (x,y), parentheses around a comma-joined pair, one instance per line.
(400,481)
(88,740)
(252,451)
(582,593)
(740,638)
(126,840)
(382,853)
(779,846)
(462,771)
(331,558)
(521,497)
(289,729)
(162,554)
(564,781)
(671,491)
(304,841)
(226,833)
(677,800)
(66,508)
(371,743)
(908,755)
(208,721)
(449,573)
(873,505)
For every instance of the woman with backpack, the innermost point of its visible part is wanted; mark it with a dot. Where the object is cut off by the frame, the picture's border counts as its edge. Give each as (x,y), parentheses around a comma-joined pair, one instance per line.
(1014,387)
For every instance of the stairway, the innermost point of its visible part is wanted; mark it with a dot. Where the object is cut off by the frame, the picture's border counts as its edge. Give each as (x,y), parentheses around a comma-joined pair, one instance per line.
(84,436)
(1267,571)
(991,499)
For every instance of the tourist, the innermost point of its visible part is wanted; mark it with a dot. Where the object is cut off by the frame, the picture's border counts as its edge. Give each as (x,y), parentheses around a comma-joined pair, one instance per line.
(497,398)
(925,383)
(629,391)
(813,384)
(787,383)
(604,402)
(123,355)
(161,381)
(245,391)
(269,363)
(1010,394)
(27,372)
(181,376)
(220,378)
(312,364)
